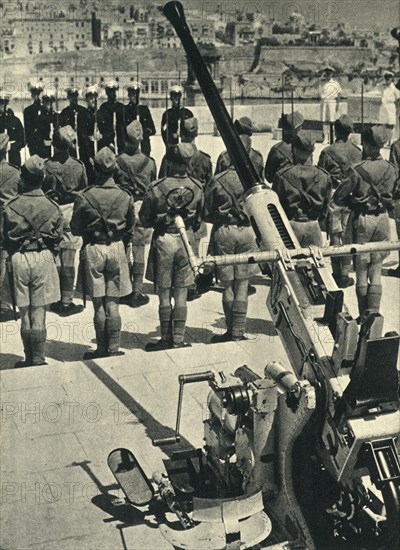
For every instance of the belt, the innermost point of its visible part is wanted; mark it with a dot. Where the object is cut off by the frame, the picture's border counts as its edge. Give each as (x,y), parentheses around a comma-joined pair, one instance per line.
(375,212)
(103,241)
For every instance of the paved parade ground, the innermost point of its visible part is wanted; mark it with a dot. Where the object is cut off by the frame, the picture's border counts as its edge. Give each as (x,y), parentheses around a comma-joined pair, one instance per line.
(60,421)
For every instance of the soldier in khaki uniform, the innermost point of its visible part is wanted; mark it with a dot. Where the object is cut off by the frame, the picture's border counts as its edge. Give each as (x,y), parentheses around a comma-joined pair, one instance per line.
(165,198)
(304,191)
(367,190)
(244,127)
(231,234)
(280,154)
(104,217)
(9,185)
(30,232)
(200,168)
(336,159)
(65,176)
(394,158)
(134,172)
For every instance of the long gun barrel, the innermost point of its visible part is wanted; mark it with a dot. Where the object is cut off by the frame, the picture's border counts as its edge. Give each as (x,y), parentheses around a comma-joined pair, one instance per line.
(272,228)
(246,171)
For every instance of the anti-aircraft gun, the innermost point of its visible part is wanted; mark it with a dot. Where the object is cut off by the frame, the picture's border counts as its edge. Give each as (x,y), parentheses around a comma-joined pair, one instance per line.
(308,452)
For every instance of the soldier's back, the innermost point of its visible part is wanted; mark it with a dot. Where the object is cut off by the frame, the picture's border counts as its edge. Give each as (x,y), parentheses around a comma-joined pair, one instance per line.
(9,181)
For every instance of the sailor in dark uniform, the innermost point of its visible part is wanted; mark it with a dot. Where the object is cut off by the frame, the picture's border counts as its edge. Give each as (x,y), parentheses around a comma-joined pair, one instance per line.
(30,115)
(88,131)
(111,120)
(173,117)
(12,126)
(70,114)
(45,123)
(133,110)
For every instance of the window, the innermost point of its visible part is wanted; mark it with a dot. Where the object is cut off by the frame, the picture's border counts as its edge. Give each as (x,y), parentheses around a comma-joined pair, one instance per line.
(163,86)
(154,86)
(145,86)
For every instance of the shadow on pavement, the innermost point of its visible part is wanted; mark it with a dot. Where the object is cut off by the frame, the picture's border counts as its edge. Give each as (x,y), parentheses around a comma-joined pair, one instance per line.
(154,429)
(8,360)
(65,351)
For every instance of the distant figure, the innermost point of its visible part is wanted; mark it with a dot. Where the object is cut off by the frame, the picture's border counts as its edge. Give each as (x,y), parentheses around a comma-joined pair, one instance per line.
(111,120)
(330,97)
(390,101)
(172,118)
(31,112)
(134,110)
(70,114)
(281,154)
(45,122)
(12,126)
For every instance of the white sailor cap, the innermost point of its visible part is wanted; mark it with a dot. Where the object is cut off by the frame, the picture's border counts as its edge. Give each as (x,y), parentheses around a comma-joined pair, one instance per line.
(175,89)
(91,90)
(388,74)
(111,85)
(133,85)
(36,85)
(49,93)
(329,68)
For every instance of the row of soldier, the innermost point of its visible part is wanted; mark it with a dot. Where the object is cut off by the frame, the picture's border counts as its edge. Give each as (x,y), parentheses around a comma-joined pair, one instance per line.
(54,213)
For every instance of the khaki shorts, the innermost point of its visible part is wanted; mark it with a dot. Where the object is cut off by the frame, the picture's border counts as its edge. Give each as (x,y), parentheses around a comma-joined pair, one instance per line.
(368,228)
(307,233)
(172,268)
(231,239)
(107,270)
(36,280)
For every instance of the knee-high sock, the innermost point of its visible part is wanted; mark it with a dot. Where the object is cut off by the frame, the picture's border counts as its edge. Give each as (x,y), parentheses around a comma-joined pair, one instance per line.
(227,305)
(374,296)
(239,312)
(179,316)
(38,345)
(361,292)
(165,315)
(113,329)
(67,275)
(101,335)
(137,278)
(26,340)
